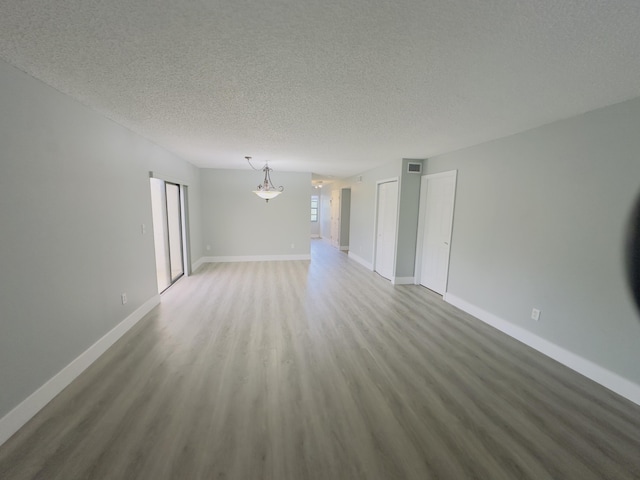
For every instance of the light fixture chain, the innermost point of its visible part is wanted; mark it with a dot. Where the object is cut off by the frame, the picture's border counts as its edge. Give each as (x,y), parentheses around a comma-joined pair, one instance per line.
(251,164)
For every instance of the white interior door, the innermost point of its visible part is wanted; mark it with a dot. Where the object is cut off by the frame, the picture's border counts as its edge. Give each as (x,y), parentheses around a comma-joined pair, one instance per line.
(335,218)
(439,191)
(386,224)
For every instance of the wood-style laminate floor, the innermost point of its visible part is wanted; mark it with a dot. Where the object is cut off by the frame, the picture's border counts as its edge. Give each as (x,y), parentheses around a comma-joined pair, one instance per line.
(322,370)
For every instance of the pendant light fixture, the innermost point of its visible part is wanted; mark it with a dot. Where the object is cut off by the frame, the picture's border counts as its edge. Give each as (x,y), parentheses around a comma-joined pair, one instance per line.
(266,189)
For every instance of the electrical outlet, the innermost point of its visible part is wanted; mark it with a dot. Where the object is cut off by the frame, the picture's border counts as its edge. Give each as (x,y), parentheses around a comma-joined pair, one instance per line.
(293,245)
(535,314)
(124,298)
(208,247)
(143,228)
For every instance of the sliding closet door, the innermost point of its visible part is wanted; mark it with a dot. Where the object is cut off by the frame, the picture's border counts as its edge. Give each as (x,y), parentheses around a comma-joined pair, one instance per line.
(174,227)
(167,231)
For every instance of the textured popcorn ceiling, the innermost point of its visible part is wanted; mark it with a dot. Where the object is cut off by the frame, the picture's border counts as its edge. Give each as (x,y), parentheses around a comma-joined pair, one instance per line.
(334,86)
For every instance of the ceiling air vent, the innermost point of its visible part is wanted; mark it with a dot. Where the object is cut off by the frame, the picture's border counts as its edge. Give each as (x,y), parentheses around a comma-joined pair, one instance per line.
(414,167)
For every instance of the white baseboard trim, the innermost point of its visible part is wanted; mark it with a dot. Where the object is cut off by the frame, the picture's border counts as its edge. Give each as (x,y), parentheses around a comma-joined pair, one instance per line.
(24,411)
(197,264)
(315,235)
(256,258)
(403,280)
(344,248)
(589,369)
(361,261)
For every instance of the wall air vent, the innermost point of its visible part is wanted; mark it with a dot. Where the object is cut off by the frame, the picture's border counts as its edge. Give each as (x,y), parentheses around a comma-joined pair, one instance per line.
(414,168)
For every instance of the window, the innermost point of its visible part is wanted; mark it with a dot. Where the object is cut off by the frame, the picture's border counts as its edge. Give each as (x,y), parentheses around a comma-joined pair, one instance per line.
(315,199)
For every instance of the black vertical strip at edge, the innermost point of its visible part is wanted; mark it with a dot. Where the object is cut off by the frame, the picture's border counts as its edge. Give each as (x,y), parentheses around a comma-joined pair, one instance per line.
(633,252)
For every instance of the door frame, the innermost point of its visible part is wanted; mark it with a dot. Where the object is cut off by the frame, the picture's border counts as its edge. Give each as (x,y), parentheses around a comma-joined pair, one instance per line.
(422,210)
(375,224)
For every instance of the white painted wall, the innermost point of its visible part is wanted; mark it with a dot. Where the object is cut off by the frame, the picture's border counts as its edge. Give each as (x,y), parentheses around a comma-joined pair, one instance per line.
(539,222)
(74,191)
(237,223)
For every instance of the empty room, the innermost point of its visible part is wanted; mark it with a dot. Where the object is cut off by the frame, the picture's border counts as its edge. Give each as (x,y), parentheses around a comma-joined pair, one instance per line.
(320,240)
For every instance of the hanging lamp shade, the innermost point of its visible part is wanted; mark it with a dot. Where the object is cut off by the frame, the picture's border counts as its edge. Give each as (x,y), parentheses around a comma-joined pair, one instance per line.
(266,190)
(267,194)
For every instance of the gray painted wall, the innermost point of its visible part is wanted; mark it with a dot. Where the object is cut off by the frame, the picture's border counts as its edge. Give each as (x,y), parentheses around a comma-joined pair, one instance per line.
(363,205)
(363,202)
(235,222)
(74,191)
(345,216)
(539,222)
(408,221)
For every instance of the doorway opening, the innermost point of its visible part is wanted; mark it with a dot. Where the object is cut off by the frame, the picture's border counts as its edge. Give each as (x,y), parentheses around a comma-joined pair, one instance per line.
(167,209)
